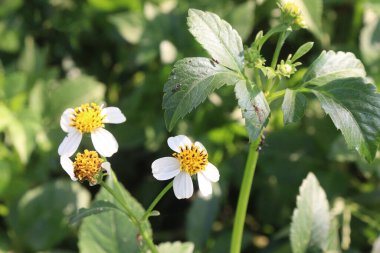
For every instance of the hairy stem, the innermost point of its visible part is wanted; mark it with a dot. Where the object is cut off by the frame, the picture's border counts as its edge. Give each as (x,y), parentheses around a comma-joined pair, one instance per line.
(245,190)
(157,199)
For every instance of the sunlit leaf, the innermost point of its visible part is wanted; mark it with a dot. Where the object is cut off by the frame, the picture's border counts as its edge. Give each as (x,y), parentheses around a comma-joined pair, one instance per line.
(254,107)
(218,38)
(191,81)
(370,38)
(40,217)
(312,14)
(353,105)
(331,65)
(176,247)
(293,106)
(376,246)
(302,50)
(129,25)
(311,219)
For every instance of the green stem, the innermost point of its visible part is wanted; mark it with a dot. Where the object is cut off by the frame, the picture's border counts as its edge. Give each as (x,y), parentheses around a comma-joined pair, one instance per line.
(279,45)
(157,199)
(133,218)
(258,79)
(275,96)
(245,190)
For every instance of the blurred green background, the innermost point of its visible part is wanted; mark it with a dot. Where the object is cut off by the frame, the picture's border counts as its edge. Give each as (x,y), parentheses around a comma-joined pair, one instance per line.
(56,54)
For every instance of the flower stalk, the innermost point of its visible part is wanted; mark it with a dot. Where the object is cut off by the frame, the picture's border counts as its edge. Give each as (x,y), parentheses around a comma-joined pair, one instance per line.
(245,190)
(156,200)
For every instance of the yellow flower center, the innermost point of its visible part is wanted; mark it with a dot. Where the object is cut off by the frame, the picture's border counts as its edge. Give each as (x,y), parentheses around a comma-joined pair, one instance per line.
(192,159)
(87,118)
(87,166)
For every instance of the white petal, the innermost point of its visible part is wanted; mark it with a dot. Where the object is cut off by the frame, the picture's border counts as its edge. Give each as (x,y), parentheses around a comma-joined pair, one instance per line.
(104,142)
(66,118)
(211,173)
(176,142)
(68,166)
(200,146)
(107,167)
(183,186)
(165,168)
(70,144)
(205,186)
(113,115)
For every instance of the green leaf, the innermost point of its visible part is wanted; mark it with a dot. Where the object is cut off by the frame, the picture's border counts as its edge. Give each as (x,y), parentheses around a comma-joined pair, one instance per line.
(330,66)
(312,14)
(242,18)
(112,231)
(254,107)
(9,6)
(130,25)
(176,247)
(333,244)
(98,206)
(353,106)
(311,218)
(376,246)
(218,38)
(191,81)
(293,106)
(40,217)
(73,93)
(302,50)
(200,218)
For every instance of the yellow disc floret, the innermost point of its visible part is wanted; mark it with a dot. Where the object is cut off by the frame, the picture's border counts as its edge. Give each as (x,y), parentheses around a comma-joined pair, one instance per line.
(87,118)
(192,159)
(87,166)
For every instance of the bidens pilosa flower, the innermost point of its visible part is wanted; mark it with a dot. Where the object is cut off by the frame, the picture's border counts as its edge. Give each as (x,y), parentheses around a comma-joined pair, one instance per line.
(189,159)
(87,166)
(89,118)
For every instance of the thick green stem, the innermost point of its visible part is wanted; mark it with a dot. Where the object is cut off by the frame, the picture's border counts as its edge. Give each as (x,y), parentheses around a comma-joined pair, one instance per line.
(245,190)
(133,218)
(279,45)
(157,199)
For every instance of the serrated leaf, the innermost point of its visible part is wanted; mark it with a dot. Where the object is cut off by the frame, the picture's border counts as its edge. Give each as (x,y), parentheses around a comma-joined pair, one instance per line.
(354,107)
(191,81)
(293,106)
(112,231)
(254,107)
(312,14)
(331,65)
(333,244)
(311,218)
(98,206)
(302,50)
(176,247)
(218,38)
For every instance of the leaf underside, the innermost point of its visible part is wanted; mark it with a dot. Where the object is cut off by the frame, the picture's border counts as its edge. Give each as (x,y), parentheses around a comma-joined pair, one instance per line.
(293,106)
(254,107)
(311,219)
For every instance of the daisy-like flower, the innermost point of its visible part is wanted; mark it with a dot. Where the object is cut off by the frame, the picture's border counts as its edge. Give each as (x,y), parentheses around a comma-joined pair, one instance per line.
(189,159)
(87,166)
(89,118)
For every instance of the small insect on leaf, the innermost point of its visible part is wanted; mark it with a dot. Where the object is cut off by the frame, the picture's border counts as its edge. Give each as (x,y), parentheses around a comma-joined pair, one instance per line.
(176,88)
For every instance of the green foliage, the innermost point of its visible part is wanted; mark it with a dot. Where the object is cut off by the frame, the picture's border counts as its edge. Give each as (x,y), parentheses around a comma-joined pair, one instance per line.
(190,82)
(40,217)
(310,225)
(353,113)
(112,231)
(293,106)
(254,106)
(218,38)
(176,247)
(98,206)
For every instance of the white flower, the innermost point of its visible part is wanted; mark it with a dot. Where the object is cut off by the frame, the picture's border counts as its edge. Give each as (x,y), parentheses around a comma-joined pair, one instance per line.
(89,118)
(87,166)
(189,159)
